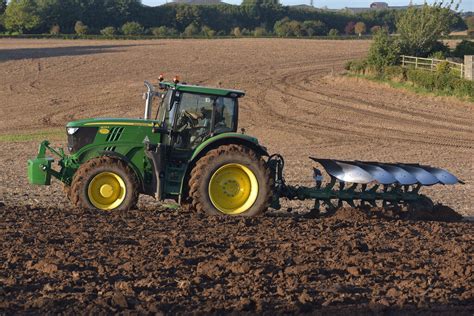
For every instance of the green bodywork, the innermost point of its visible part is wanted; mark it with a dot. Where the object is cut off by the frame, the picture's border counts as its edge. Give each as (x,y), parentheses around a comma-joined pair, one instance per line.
(126,139)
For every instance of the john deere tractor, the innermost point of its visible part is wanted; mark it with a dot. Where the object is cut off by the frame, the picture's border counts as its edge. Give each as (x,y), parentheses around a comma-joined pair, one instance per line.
(189,150)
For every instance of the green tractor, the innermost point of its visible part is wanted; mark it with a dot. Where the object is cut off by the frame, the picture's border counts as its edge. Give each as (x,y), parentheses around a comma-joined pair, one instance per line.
(190,151)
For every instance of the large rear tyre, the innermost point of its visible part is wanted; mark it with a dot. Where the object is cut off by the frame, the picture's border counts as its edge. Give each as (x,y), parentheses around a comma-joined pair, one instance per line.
(230,180)
(104,183)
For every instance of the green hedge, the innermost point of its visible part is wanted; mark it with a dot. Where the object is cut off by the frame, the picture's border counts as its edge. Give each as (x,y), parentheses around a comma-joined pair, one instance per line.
(445,83)
(442,81)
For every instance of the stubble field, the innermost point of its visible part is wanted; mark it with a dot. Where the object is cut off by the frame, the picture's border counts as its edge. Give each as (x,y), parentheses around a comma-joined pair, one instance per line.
(55,258)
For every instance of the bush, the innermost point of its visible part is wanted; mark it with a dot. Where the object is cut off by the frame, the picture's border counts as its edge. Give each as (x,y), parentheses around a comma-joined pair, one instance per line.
(164,31)
(356,66)
(259,32)
(421,78)
(80,28)
(314,28)
(464,48)
(207,31)
(288,28)
(236,32)
(132,28)
(438,55)
(333,32)
(245,32)
(374,29)
(395,73)
(108,31)
(191,30)
(440,48)
(349,29)
(55,30)
(443,81)
(383,52)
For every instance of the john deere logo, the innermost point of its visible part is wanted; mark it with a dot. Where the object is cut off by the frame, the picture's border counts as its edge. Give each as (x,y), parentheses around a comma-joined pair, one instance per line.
(104,131)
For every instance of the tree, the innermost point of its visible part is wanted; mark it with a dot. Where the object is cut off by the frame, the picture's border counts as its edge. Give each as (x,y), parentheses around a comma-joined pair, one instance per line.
(420,28)
(108,31)
(360,28)
(80,28)
(287,28)
(55,29)
(191,30)
(207,31)
(374,29)
(464,48)
(384,51)
(236,32)
(333,32)
(164,31)
(470,22)
(132,28)
(349,29)
(187,15)
(21,15)
(3,6)
(259,32)
(314,28)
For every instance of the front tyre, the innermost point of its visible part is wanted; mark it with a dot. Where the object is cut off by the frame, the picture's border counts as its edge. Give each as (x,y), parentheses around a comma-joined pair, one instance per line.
(104,183)
(230,180)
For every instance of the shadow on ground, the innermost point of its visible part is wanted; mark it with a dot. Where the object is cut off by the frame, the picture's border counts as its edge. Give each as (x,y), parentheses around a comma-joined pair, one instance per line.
(46,52)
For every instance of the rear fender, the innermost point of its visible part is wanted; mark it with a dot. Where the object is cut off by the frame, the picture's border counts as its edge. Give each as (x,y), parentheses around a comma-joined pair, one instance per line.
(212,143)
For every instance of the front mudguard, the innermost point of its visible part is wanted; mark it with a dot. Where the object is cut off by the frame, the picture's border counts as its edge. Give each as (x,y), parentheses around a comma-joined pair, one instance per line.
(40,168)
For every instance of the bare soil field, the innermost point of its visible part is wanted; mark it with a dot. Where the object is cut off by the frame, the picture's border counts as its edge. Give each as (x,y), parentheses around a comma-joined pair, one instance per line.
(55,258)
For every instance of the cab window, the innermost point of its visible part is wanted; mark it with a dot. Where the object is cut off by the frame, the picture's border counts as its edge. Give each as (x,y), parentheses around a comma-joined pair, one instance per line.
(200,115)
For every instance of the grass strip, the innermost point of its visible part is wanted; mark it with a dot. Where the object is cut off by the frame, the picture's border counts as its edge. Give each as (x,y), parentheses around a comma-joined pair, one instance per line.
(35,135)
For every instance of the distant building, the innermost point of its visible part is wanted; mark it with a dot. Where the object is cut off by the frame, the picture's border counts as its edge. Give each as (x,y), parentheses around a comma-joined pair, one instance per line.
(379,6)
(198,2)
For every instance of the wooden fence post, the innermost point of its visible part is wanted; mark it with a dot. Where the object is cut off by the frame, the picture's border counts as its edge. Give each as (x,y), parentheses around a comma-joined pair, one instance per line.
(468,67)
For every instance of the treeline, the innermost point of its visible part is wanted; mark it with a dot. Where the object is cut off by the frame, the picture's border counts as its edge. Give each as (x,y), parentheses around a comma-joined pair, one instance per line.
(131,17)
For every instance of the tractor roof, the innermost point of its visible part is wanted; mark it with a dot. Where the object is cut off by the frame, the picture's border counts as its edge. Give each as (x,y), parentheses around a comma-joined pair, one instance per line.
(203,90)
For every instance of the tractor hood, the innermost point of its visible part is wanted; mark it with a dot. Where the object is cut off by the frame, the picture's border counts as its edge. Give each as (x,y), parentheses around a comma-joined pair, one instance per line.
(109,122)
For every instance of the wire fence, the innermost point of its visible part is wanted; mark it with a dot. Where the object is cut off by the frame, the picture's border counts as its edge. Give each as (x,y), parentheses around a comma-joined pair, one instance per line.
(431,64)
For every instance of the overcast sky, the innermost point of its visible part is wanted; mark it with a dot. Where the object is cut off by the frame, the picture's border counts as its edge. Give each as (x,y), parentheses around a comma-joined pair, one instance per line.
(466,5)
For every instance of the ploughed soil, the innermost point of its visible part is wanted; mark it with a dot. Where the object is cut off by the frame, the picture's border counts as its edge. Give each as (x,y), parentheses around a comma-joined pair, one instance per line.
(150,261)
(57,259)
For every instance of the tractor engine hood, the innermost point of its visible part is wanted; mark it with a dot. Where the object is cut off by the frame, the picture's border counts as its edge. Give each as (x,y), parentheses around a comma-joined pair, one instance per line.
(109,122)
(84,132)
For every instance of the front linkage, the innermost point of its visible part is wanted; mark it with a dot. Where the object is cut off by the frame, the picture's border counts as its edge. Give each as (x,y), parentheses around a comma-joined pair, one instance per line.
(40,169)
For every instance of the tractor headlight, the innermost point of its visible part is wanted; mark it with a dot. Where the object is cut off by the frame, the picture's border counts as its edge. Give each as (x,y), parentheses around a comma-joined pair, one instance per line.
(72,130)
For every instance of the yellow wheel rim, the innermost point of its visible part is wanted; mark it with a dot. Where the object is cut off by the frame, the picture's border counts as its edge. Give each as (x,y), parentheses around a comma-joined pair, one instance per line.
(233,189)
(106,191)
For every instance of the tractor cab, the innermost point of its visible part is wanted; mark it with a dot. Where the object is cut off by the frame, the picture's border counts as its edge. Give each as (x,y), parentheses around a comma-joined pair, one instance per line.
(190,114)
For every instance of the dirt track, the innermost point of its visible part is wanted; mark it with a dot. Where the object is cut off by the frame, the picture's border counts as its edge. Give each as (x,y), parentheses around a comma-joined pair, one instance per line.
(297,105)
